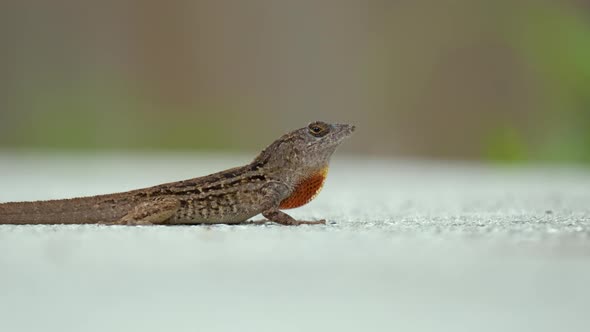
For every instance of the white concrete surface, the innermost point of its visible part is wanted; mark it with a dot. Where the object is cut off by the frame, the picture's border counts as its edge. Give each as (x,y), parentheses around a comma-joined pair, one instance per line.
(411,246)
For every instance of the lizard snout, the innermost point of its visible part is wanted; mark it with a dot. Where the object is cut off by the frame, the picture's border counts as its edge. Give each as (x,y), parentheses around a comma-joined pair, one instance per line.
(346,129)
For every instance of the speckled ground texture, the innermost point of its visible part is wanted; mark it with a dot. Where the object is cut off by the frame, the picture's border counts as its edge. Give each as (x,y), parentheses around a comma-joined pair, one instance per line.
(410,246)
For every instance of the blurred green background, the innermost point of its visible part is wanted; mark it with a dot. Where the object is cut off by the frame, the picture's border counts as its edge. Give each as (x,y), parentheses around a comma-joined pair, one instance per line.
(493,80)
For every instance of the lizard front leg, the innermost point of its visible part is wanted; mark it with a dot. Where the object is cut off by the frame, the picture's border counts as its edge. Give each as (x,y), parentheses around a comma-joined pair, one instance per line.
(154,212)
(274,194)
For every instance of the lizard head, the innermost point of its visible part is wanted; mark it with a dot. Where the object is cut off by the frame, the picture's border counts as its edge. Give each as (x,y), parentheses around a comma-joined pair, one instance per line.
(305,150)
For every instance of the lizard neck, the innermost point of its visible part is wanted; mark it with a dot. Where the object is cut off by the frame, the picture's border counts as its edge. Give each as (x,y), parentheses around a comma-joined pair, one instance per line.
(305,190)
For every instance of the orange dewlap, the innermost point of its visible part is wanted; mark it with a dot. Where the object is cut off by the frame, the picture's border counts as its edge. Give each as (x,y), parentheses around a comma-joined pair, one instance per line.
(305,191)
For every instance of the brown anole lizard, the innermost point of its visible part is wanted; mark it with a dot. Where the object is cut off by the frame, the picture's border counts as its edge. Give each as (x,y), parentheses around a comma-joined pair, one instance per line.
(287,174)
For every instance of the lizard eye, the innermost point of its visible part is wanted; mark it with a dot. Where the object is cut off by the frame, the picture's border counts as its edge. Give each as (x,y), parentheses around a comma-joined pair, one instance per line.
(318,129)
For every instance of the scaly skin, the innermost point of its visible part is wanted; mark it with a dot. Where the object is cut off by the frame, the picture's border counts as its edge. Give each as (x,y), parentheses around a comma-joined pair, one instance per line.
(287,174)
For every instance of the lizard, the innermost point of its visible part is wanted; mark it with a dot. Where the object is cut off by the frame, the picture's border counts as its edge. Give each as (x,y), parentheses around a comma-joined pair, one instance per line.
(287,174)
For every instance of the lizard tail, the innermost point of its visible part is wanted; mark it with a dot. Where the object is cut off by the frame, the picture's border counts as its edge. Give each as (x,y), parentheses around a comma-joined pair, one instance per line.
(47,212)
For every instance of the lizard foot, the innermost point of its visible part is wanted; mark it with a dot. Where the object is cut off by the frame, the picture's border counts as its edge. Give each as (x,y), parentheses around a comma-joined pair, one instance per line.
(315,222)
(285,219)
(294,223)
